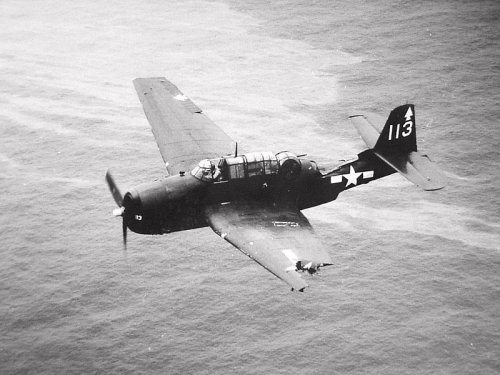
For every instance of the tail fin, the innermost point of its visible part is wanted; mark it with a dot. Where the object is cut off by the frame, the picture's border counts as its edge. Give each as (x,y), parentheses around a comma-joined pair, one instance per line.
(396,145)
(398,134)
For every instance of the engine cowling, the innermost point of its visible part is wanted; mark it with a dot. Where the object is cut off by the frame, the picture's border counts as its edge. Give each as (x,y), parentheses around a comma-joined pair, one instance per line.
(163,206)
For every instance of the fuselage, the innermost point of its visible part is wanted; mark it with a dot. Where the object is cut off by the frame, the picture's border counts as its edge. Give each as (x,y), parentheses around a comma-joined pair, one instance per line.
(178,202)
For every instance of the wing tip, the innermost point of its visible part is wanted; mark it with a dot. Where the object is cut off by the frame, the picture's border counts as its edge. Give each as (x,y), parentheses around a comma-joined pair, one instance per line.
(138,79)
(139,83)
(297,283)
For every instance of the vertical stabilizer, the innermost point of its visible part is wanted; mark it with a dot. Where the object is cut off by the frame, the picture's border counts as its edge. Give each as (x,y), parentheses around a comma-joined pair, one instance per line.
(398,134)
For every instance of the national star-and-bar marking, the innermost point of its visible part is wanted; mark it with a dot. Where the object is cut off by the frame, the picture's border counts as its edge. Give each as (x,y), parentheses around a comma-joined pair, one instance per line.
(351,177)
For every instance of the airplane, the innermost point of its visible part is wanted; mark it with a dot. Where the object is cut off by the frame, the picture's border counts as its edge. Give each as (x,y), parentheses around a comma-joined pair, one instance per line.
(254,200)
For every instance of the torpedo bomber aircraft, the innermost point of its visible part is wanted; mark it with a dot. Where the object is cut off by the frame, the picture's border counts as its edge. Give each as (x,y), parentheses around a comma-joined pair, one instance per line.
(254,200)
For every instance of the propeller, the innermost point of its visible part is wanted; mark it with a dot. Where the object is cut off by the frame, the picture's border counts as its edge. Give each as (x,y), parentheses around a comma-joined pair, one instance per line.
(120,211)
(115,192)
(124,233)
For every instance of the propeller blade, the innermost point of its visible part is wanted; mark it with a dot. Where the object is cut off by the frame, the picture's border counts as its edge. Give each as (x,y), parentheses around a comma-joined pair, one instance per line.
(118,197)
(115,192)
(124,228)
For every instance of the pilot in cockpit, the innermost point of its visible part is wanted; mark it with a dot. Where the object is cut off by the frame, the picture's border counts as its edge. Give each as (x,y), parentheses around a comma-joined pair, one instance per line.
(211,170)
(216,172)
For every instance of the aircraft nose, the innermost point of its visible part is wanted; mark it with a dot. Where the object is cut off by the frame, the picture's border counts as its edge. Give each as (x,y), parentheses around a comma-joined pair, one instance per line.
(131,201)
(132,211)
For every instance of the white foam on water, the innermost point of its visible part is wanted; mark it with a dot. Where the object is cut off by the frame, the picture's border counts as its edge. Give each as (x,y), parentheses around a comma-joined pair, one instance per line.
(418,216)
(246,81)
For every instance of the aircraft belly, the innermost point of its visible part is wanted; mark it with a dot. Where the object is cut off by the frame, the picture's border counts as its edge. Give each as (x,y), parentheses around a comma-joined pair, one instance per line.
(166,219)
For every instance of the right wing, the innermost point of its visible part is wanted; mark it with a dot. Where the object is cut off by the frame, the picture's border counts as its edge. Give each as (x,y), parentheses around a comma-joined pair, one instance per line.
(183,133)
(279,238)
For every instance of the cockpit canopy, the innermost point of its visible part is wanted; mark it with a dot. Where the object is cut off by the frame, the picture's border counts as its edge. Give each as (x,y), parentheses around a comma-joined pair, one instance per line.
(203,171)
(243,166)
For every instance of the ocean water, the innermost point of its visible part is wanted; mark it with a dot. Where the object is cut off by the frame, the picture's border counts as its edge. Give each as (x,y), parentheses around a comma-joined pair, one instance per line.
(415,288)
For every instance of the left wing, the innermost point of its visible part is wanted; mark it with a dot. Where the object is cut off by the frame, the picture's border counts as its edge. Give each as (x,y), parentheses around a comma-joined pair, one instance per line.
(279,238)
(183,133)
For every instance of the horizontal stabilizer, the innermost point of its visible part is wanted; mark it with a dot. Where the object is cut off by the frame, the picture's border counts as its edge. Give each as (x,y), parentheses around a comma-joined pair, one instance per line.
(366,129)
(417,168)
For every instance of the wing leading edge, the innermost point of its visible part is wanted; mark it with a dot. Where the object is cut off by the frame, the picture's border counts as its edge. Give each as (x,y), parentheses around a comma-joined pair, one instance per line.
(183,133)
(280,239)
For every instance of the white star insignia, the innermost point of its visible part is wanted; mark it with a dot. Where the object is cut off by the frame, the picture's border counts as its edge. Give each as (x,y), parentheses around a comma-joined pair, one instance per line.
(181,97)
(352,177)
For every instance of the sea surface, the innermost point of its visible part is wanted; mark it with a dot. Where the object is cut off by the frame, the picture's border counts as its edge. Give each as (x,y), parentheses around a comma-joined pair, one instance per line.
(415,288)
